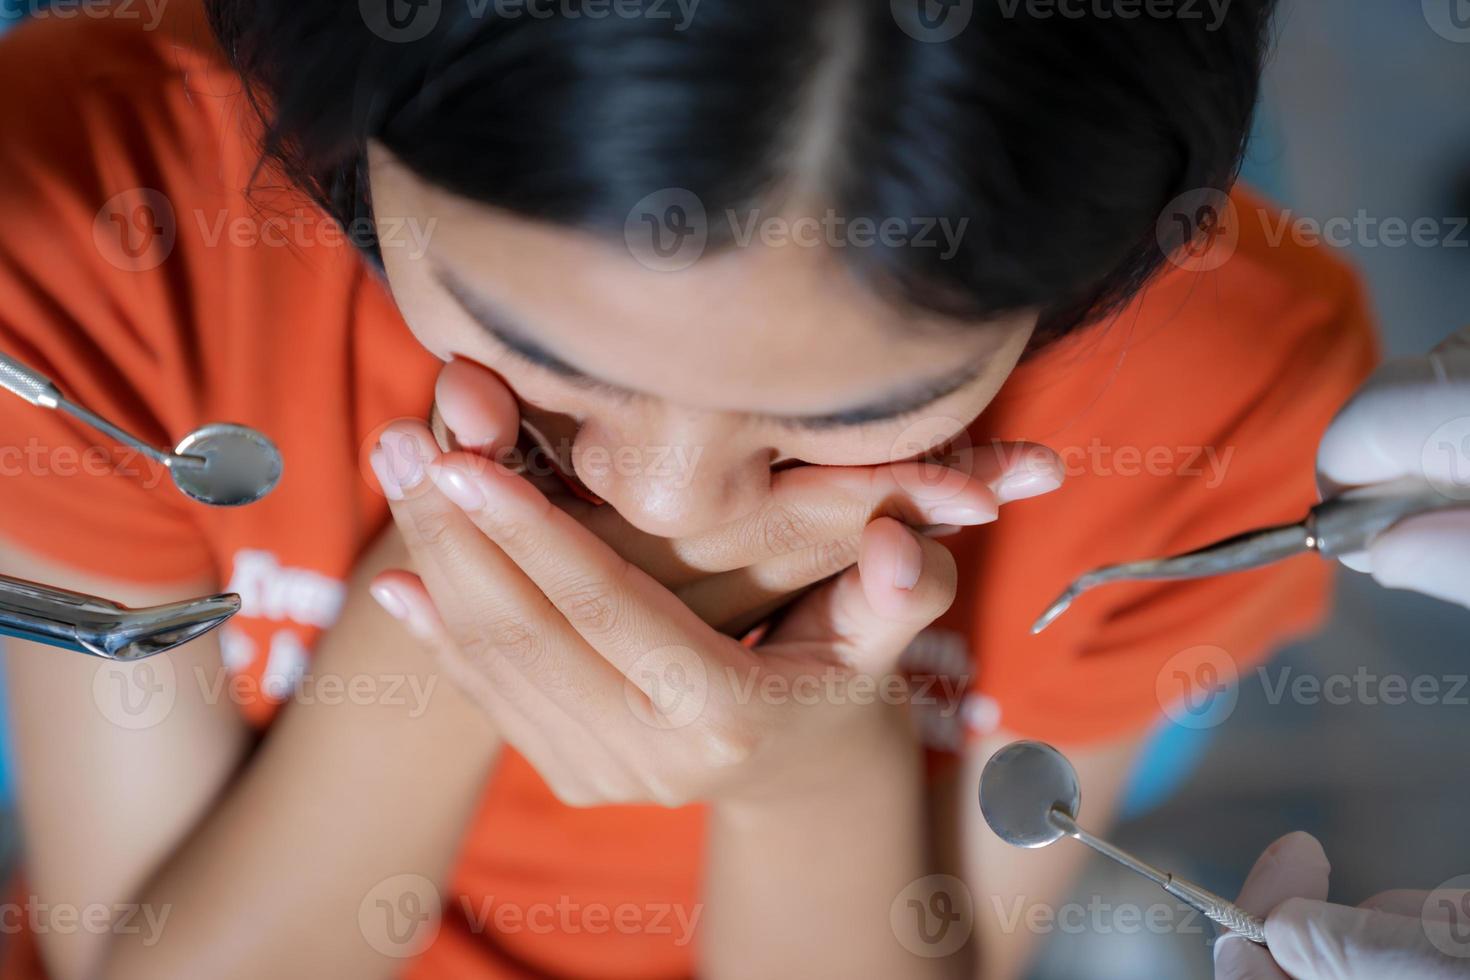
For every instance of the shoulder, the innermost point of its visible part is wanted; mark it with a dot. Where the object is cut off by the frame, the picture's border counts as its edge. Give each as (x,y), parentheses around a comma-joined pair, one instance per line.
(83,74)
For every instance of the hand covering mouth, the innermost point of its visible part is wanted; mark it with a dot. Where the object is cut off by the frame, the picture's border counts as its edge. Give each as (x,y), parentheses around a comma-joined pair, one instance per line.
(534,456)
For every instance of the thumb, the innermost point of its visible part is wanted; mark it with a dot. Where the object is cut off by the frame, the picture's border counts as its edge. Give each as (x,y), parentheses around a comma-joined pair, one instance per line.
(1293,866)
(476,407)
(1408,420)
(901,583)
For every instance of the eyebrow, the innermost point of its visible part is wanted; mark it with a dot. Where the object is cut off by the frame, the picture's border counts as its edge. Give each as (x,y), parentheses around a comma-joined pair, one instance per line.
(503,328)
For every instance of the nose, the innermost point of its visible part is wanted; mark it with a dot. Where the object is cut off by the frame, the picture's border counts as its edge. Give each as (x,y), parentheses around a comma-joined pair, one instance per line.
(675,474)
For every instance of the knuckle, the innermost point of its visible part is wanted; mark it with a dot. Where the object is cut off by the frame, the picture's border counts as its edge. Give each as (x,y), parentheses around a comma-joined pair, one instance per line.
(613,790)
(438,529)
(832,556)
(725,744)
(593,607)
(786,530)
(573,795)
(507,638)
(666,793)
(501,529)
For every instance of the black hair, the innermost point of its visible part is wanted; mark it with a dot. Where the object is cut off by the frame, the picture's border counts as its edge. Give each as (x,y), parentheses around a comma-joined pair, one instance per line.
(1058,130)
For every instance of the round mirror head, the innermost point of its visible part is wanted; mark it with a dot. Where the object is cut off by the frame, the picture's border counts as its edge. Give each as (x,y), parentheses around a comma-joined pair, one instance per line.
(241,465)
(1020,786)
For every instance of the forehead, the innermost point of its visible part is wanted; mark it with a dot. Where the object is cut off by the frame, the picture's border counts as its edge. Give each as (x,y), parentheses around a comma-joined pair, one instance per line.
(784,317)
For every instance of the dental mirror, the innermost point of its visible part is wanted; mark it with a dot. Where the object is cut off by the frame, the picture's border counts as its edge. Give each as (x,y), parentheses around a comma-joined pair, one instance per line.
(240,465)
(1030,797)
(1019,788)
(221,465)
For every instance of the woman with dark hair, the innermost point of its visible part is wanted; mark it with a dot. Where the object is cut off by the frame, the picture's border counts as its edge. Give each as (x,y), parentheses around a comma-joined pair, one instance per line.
(773,291)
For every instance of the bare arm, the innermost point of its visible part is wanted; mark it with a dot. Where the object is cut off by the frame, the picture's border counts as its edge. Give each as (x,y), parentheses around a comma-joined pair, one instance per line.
(257,867)
(804,887)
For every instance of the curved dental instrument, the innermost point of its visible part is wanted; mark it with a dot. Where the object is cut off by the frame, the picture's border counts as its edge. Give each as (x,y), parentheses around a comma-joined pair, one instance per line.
(221,465)
(102,628)
(1336,527)
(1030,798)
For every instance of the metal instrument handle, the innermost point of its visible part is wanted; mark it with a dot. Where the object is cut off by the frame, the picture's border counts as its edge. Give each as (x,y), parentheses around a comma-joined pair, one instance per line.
(28,383)
(1350,521)
(1217,910)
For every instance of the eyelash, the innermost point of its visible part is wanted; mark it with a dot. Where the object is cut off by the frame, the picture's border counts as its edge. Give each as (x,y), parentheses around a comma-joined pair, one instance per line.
(821,425)
(605,390)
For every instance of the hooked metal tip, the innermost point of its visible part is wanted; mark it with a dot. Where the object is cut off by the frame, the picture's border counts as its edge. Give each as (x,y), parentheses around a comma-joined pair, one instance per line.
(1055,610)
(142,633)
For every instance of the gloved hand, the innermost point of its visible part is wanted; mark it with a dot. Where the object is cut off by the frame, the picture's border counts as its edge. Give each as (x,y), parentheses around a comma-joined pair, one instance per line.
(1402,935)
(1412,418)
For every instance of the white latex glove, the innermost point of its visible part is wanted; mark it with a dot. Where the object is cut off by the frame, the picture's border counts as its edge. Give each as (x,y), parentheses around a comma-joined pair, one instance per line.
(1412,418)
(1403,935)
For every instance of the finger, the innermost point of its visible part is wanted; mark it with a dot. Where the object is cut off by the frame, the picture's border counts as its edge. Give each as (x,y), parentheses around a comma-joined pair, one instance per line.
(811,506)
(613,606)
(499,621)
(477,407)
(564,760)
(1334,942)
(1294,866)
(736,601)
(902,583)
(1402,901)
(403,596)
(1385,431)
(474,411)
(1429,554)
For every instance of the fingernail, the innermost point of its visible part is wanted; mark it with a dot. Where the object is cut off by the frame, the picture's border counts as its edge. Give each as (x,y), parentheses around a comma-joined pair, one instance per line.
(960,515)
(390,601)
(908,565)
(405,457)
(457,487)
(390,486)
(1025,483)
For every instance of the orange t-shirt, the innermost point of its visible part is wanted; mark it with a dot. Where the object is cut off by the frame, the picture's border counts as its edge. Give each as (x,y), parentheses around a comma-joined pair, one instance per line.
(136,273)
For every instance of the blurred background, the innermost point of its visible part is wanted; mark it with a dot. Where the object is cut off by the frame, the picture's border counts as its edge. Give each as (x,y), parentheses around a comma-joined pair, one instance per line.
(1365,112)
(1365,116)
